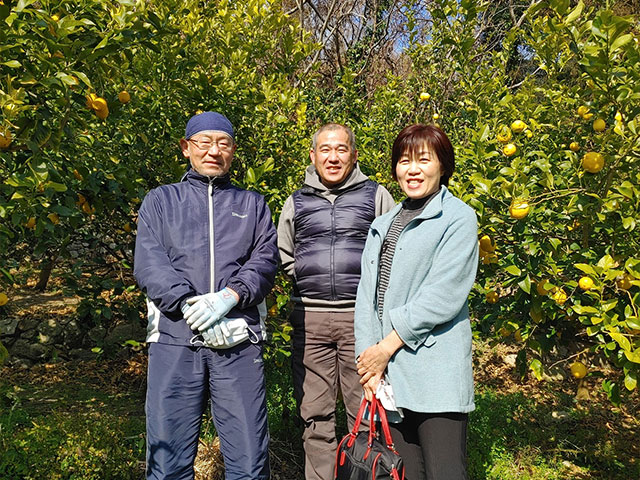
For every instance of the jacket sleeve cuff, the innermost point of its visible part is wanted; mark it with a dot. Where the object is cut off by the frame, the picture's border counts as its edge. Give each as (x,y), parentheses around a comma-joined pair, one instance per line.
(241,290)
(410,339)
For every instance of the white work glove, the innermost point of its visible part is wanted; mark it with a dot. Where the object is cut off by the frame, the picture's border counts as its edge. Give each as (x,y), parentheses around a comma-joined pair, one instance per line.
(202,311)
(215,336)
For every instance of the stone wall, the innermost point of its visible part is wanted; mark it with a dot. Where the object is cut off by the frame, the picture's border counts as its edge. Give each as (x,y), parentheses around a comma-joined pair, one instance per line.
(43,327)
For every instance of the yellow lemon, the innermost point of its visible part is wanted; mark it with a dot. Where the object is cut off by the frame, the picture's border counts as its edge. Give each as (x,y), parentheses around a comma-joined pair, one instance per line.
(487,244)
(424,96)
(517,335)
(585,283)
(583,110)
(504,134)
(592,162)
(5,139)
(3,299)
(574,146)
(519,208)
(623,282)
(124,97)
(102,113)
(492,297)
(578,370)
(436,116)
(54,218)
(91,98)
(509,149)
(489,258)
(559,296)
(599,125)
(99,103)
(518,126)
(528,133)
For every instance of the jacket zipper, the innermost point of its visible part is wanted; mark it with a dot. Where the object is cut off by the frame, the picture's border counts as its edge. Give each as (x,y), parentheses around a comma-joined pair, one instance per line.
(211,239)
(332,253)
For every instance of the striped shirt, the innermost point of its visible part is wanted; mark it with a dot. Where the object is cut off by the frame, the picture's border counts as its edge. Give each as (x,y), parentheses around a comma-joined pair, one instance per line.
(410,210)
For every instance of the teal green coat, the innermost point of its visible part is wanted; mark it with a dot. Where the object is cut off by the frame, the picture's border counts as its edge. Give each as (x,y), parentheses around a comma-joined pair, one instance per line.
(433,270)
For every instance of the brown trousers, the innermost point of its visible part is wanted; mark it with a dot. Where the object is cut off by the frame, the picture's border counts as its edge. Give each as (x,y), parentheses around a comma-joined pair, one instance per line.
(323,363)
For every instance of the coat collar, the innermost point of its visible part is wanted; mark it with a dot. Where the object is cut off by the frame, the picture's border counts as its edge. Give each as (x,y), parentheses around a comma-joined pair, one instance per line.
(433,209)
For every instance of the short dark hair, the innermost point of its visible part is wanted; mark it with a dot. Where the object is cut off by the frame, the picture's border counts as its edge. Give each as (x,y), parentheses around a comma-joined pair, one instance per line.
(412,138)
(332,127)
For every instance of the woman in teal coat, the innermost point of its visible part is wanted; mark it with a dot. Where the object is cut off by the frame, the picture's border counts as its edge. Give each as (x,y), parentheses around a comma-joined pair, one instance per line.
(412,320)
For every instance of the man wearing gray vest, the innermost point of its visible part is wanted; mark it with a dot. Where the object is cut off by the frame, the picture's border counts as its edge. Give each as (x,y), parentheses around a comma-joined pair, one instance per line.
(321,234)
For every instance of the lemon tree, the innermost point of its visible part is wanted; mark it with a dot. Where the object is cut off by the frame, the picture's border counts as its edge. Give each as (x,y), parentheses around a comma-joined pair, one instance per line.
(547,156)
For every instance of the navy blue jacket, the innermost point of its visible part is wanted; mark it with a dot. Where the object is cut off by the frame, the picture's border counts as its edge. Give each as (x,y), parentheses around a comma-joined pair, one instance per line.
(196,237)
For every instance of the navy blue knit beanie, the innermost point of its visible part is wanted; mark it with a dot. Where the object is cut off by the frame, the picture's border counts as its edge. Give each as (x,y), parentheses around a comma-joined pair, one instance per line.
(208,121)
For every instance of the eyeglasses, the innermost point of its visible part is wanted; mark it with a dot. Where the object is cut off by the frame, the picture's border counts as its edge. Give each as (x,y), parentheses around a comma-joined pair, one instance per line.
(224,145)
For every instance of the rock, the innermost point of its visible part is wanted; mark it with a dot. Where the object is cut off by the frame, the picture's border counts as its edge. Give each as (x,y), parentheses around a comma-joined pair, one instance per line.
(82,354)
(510,360)
(122,333)
(97,334)
(72,336)
(28,350)
(8,326)
(50,329)
(28,323)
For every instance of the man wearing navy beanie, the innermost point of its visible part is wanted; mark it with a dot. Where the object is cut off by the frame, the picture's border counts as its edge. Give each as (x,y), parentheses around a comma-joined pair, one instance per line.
(206,257)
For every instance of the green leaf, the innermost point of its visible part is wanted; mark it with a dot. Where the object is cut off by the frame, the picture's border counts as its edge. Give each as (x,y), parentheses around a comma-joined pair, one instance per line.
(621,41)
(22,4)
(633,322)
(575,13)
(12,64)
(586,268)
(621,340)
(581,309)
(606,262)
(536,367)
(631,381)
(58,187)
(606,306)
(633,356)
(250,177)
(82,76)
(513,270)
(525,284)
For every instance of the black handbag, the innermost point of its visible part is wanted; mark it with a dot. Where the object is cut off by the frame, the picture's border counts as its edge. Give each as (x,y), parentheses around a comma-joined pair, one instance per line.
(365,456)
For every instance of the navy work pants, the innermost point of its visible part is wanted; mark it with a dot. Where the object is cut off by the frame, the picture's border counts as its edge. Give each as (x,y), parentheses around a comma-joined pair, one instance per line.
(180,381)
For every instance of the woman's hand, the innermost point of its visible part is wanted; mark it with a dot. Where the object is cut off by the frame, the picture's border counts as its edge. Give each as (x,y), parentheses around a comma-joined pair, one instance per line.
(371,386)
(373,361)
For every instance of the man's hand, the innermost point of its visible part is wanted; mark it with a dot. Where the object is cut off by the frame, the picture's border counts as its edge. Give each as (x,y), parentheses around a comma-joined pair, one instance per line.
(215,336)
(203,311)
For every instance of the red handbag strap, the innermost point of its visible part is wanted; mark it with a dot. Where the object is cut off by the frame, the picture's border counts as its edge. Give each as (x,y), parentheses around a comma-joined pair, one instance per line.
(363,407)
(385,425)
(374,407)
(372,419)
